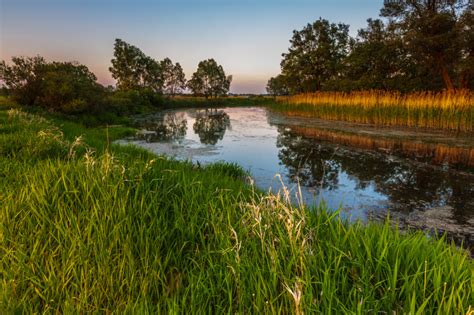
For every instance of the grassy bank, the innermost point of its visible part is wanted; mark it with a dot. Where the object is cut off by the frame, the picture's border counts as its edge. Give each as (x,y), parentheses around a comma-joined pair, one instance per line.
(185,101)
(444,110)
(87,226)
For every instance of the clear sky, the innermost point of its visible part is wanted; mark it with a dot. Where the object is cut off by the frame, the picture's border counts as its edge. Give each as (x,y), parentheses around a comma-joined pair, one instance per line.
(246,37)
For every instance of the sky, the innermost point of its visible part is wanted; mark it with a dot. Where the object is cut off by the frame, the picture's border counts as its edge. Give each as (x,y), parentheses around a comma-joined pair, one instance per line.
(246,37)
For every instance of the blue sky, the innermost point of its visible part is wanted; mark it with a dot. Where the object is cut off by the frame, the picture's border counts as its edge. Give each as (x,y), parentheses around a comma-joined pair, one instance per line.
(246,37)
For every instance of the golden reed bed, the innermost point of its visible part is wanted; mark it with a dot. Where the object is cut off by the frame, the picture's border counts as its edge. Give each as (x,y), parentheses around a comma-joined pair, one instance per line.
(437,110)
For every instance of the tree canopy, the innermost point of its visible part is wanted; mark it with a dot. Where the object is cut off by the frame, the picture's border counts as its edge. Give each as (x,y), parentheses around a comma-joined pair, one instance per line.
(23,77)
(315,55)
(174,80)
(416,45)
(133,69)
(277,86)
(61,86)
(209,80)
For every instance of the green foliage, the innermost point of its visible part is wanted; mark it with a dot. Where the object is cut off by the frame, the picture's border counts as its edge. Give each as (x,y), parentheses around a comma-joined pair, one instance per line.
(423,45)
(24,78)
(120,230)
(174,80)
(69,88)
(430,33)
(189,101)
(277,86)
(66,87)
(127,102)
(466,30)
(380,61)
(133,70)
(209,80)
(315,56)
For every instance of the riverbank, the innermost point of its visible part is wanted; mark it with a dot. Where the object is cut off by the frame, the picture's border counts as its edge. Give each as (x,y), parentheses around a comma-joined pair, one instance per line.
(452,111)
(89,226)
(364,171)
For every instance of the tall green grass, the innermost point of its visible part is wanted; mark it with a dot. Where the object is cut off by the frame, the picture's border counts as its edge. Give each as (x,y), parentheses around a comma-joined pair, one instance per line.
(117,229)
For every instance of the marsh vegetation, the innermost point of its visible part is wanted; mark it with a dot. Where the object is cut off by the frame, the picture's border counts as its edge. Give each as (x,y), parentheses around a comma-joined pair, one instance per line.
(367,148)
(88,226)
(451,111)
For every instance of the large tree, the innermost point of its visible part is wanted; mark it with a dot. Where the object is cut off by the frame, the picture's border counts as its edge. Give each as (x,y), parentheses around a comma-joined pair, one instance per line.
(133,69)
(174,80)
(60,86)
(466,32)
(209,80)
(380,60)
(23,77)
(69,87)
(315,56)
(429,30)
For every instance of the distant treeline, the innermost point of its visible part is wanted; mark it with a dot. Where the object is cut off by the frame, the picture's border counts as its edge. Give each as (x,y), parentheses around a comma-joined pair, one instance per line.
(71,88)
(419,45)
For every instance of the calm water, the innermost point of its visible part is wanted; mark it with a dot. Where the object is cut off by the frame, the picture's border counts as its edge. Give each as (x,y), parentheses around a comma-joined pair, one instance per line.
(366,173)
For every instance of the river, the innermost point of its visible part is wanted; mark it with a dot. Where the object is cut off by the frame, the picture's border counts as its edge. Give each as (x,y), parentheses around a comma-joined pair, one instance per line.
(424,180)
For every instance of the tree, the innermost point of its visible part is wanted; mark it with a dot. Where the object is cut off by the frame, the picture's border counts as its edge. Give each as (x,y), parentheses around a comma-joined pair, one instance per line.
(429,30)
(277,86)
(60,86)
(152,75)
(69,87)
(315,56)
(209,80)
(174,80)
(23,78)
(466,32)
(134,70)
(380,60)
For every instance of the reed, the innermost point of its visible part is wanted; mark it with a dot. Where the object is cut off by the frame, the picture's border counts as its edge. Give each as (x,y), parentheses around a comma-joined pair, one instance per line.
(436,110)
(119,230)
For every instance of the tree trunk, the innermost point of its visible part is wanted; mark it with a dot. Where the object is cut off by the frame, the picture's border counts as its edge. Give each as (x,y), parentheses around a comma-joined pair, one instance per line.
(465,80)
(466,74)
(447,78)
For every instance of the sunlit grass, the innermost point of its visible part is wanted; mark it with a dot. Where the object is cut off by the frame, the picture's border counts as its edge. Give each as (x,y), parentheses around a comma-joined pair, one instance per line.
(121,230)
(438,110)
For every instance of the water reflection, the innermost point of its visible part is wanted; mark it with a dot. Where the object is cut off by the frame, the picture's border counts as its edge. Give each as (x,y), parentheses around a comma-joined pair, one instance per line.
(424,182)
(309,164)
(409,185)
(433,153)
(169,127)
(211,125)
(419,195)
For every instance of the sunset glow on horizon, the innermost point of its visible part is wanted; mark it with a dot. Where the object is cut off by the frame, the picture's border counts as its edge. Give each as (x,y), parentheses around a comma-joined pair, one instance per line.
(246,37)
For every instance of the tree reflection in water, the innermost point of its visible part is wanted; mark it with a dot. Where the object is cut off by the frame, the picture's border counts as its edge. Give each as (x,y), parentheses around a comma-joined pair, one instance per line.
(169,127)
(211,125)
(408,184)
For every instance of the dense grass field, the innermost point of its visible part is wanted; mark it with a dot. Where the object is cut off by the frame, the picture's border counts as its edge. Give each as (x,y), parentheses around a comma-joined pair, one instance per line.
(87,226)
(443,110)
